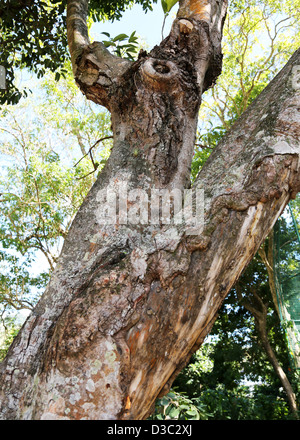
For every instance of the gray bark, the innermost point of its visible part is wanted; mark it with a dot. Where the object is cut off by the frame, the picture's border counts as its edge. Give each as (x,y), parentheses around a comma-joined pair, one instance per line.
(128,304)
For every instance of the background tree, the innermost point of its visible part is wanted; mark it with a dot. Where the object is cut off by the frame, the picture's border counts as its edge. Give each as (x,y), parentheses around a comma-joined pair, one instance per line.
(259,38)
(34,36)
(51,148)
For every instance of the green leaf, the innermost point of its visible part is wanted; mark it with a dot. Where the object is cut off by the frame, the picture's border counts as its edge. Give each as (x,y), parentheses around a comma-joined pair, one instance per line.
(174,413)
(132,38)
(184,406)
(164,6)
(165,401)
(192,412)
(120,37)
(167,5)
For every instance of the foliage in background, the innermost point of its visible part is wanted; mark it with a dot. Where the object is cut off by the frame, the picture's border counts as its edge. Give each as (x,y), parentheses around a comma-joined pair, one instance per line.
(259,37)
(176,406)
(122,45)
(10,329)
(34,36)
(286,262)
(50,151)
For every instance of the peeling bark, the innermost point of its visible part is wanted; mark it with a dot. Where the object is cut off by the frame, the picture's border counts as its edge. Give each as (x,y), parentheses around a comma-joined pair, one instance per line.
(128,304)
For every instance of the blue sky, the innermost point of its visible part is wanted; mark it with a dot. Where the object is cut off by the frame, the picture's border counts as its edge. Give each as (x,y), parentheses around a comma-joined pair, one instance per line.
(147,26)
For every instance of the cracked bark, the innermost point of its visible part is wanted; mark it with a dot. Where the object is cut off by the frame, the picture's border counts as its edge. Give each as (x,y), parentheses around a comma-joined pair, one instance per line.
(128,304)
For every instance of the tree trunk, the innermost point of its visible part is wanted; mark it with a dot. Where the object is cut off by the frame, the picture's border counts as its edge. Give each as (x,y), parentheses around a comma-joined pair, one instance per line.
(280,307)
(268,260)
(259,310)
(130,301)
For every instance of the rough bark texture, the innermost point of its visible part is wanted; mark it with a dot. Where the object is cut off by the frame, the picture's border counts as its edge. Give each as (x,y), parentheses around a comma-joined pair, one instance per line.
(127,304)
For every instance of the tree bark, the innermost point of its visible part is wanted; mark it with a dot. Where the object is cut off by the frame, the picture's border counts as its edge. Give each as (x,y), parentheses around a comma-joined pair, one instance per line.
(128,304)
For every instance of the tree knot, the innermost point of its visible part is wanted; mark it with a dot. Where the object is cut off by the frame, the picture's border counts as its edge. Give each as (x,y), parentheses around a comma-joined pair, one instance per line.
(160,73)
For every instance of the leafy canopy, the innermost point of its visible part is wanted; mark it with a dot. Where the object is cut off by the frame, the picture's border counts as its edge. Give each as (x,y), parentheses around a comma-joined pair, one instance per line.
(34,36)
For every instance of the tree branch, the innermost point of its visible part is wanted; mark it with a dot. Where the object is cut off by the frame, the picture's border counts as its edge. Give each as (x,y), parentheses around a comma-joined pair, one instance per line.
(260,310)
(94,67)
(93,146)
(77,31)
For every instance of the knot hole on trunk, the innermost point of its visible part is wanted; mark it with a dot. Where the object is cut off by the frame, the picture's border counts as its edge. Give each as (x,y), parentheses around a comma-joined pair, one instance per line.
(160,74)
(161,68)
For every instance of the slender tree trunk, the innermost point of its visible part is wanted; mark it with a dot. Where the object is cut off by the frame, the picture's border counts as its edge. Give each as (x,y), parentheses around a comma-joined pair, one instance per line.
(259,311)
(128,303)
(280,307)
(268,260)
